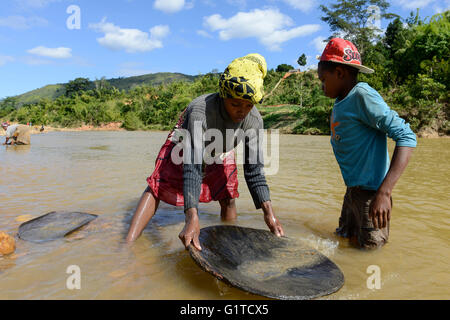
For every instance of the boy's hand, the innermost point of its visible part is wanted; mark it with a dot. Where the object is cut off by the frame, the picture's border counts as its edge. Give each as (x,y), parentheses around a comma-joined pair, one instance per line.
(380,210)
(272,221)
(191,230)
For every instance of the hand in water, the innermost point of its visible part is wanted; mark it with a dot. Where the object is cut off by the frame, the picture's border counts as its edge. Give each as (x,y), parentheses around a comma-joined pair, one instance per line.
(274,225)
(191,230)
(272,221)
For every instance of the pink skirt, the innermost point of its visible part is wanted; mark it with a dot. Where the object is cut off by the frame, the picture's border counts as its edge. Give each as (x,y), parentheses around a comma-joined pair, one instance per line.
(166,182)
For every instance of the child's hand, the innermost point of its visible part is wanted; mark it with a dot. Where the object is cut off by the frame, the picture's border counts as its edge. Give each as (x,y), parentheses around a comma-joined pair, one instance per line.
(191,230)
(272,221)
(380,210)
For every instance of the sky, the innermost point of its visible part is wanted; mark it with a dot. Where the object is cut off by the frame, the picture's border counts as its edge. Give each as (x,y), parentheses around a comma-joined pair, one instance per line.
(54,41)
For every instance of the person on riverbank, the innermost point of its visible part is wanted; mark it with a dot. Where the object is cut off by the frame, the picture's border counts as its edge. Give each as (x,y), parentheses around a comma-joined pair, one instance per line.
(188,183)
(360,122)
(19,134)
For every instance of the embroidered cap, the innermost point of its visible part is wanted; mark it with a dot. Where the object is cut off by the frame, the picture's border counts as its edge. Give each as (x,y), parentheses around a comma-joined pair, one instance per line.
(344,52)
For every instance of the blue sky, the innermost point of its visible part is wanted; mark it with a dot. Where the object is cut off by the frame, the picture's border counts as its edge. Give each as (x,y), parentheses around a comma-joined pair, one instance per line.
(42,43)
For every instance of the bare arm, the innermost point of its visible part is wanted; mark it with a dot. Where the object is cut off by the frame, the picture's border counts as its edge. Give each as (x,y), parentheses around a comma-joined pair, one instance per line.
(191,229)
(271,220)
(380,208)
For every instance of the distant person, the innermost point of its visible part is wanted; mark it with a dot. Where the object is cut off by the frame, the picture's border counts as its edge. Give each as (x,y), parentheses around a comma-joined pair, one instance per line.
(18,134)
(187,184)
(42,129)
(360,122)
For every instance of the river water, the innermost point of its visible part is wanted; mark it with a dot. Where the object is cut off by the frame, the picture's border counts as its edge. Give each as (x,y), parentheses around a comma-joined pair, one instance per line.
(104,173)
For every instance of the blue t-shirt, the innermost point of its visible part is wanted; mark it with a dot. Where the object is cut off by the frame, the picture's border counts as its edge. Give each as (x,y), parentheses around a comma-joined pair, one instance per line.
(359,125)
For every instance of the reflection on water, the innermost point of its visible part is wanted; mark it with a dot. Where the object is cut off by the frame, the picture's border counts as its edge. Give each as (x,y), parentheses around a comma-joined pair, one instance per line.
(104,173)
(18,149)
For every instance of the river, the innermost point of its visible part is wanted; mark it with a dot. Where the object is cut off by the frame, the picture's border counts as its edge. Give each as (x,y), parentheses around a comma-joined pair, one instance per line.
(104,173)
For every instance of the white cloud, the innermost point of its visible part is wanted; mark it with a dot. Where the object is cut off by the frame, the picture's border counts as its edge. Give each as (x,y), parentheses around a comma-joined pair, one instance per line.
(5,59)
(413,4)
(130,40)
(56,53)
(302,5)
(444,6)
(269,26)
(22,23)
(159,32)
(203,33)
(171,6)
(319,43)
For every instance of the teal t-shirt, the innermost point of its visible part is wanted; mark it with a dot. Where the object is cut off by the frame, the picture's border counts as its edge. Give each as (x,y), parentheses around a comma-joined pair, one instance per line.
(359,125)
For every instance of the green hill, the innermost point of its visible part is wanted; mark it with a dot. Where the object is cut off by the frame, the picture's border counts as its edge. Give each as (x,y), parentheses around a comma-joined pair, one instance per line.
(54,91)
(50,92)
(153,79)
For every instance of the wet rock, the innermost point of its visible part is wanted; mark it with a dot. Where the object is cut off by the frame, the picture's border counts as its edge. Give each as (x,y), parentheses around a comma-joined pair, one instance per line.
(53,225)
(7,244)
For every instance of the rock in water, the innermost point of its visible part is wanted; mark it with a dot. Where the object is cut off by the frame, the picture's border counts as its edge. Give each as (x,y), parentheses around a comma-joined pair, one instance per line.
(259,262)
(7,244)
(53,225)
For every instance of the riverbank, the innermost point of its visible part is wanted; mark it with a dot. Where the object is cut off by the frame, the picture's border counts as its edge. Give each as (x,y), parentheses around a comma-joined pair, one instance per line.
(113,126)
(275,117)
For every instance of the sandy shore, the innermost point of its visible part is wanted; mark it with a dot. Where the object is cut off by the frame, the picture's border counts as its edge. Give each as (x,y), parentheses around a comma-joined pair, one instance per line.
(117,126)
(113,126)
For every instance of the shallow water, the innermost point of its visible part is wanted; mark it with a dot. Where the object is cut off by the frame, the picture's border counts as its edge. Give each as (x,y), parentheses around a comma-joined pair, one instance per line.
(104,173)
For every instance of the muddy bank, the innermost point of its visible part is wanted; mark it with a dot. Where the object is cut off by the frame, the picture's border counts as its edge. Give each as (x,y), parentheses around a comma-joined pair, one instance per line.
(285,126)
(113,126)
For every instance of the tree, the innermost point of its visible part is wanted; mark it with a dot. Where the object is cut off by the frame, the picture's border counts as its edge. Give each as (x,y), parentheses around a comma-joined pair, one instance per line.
(393,36)
(7,106)
(426,43)
(349,19)
(302,60)
(78,85)
(284,68)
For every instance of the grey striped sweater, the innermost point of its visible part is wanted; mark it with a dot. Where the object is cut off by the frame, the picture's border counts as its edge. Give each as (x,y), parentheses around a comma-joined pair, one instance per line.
(210,111)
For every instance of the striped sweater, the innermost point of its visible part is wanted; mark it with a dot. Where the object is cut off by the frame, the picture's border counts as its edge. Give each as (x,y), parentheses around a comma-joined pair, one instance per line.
(210,111)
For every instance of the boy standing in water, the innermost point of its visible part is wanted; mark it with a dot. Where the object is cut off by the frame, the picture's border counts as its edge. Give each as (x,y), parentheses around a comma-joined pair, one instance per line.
(188,183)
(360,122)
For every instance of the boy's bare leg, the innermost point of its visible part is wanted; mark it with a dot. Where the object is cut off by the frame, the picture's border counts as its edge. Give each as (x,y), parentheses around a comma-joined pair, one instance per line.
(228,210)
(144,212)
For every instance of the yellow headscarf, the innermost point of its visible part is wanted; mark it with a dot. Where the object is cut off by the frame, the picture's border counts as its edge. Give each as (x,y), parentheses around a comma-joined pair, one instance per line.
(244,78)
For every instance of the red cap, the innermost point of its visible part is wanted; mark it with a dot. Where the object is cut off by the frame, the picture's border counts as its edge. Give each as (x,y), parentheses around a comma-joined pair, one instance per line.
(345,52)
